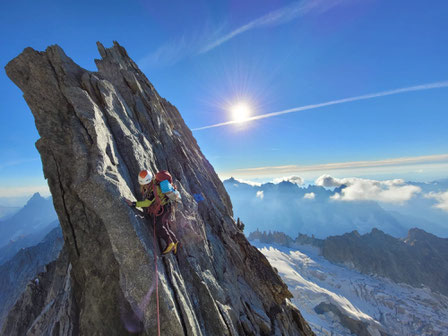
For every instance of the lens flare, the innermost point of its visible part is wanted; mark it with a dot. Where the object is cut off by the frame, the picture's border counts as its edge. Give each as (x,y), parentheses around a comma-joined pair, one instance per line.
(240,112)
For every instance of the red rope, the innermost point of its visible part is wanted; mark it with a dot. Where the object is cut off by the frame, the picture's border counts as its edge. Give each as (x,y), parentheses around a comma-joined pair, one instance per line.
(157,277)
(156,209)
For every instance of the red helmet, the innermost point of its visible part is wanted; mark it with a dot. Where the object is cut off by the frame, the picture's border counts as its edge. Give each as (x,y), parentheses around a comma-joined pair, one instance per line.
(144,177)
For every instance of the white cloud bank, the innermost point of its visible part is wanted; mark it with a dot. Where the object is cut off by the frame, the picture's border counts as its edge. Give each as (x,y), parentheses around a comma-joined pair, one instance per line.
(260,194)
(251,183)
(293,179)
(441,198)
(310,196)
(358,189)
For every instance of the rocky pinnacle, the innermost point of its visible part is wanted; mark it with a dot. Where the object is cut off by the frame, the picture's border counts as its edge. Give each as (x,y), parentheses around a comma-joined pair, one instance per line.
(97,131)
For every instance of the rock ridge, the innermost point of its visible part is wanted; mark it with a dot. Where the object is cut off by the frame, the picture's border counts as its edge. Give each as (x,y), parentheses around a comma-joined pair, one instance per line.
(97,131)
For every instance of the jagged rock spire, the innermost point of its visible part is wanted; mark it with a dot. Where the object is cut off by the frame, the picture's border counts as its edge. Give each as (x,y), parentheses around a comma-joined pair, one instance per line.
(98,130)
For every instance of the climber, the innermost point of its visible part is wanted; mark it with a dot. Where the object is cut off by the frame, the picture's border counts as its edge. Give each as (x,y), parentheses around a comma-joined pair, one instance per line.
(159,199)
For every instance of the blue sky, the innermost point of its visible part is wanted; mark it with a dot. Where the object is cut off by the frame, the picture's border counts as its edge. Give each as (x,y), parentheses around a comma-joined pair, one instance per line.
(274,55)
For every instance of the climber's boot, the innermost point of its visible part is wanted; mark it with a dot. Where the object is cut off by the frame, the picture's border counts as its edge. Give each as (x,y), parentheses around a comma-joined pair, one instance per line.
(169,248)
(175,248)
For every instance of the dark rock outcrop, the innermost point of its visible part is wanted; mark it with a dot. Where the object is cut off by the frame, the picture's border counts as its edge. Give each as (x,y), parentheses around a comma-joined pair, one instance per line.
(274,237)
(98,130)
(356,327)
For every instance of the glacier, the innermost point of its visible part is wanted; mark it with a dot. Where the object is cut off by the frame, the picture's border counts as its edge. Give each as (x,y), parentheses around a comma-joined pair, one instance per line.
(370,304)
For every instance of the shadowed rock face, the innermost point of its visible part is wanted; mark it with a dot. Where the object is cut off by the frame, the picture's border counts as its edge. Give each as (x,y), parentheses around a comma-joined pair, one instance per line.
(23,267)
(98,130)
(47,305)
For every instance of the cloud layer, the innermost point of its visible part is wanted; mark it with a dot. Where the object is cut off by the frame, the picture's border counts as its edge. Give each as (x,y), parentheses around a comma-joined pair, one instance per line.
(441,198)
(310,196)
(326,167)
(251,183)
(293,179)
(357,189)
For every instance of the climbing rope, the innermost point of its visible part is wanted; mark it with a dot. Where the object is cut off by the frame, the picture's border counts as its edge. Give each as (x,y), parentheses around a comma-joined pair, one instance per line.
(157,209)
(157,277)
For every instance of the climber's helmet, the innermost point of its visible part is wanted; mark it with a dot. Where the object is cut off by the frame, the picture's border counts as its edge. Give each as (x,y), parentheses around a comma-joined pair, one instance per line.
(144,177)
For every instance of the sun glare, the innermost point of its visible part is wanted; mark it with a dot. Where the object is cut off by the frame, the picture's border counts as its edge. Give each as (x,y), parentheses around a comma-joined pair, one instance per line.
(240,112)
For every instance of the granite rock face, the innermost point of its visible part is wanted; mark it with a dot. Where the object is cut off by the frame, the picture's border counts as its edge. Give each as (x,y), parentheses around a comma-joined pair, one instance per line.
(98,130)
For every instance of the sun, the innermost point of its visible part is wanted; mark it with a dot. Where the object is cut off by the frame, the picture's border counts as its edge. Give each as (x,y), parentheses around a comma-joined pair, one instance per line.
(240,112)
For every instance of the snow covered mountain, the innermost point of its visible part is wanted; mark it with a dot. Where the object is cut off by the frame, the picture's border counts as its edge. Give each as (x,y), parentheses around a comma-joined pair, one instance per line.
(339,301)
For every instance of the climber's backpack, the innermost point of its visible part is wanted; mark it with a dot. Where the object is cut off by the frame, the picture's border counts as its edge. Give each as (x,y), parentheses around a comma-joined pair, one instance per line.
(164,175)
(166,186)
(169,191)
(164,179)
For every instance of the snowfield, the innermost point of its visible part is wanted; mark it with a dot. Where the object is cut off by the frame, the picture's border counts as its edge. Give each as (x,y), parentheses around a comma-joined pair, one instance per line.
(368,305)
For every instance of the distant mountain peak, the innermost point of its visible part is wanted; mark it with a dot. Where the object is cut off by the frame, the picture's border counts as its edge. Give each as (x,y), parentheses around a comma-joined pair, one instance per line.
(35,199)
(232,180)
(416,235)
(36,195)
(376,231)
